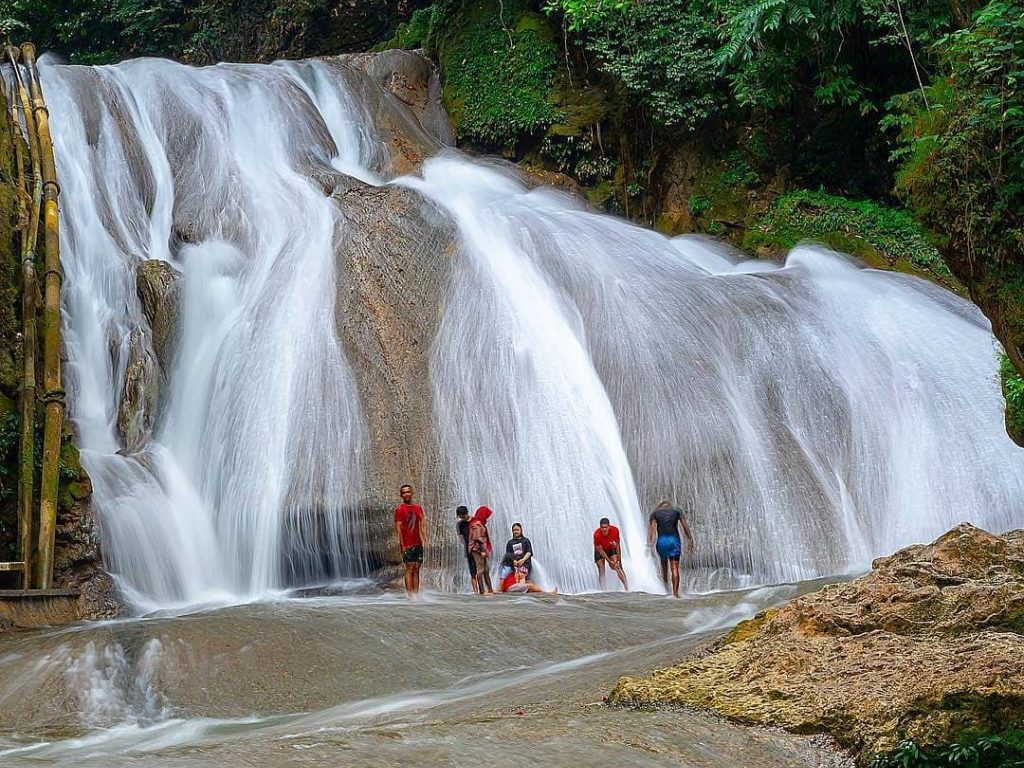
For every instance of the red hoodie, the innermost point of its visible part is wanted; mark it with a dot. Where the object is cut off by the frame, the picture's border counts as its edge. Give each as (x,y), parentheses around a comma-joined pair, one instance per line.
(479,540)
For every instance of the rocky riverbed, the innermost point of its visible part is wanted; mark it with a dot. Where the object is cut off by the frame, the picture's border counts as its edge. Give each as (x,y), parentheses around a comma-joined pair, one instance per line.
(925,646)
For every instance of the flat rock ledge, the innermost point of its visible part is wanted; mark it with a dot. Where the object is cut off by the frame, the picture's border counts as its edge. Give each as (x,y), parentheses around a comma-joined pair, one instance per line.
(927,645)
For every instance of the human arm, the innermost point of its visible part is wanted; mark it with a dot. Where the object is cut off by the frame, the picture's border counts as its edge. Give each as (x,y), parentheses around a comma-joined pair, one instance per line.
(527,552)
(604,555)
(652,532)
(398,534)
(686,532)
(421,524)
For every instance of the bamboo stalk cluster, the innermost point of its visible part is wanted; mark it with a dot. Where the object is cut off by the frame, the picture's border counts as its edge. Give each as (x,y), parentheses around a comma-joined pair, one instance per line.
(38,196)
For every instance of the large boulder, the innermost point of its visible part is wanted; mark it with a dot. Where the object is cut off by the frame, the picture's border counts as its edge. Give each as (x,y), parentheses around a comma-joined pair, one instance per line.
(157,283)
(393,267)
(925,646)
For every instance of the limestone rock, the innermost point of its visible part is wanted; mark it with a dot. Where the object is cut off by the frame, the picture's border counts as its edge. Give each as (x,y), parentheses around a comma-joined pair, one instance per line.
(402,91)
(393,269)
(926,645)
(140,393)
(78,559)
(158,286)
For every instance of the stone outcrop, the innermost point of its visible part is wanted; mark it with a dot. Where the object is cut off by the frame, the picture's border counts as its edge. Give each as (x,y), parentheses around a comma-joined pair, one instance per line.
(925,646)
(402,91)
(78,559)
(158,285)
(393,268)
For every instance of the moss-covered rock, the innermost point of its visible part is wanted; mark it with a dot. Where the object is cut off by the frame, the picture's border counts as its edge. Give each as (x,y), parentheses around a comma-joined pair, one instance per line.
(883,237)
(498,65)
(925,647)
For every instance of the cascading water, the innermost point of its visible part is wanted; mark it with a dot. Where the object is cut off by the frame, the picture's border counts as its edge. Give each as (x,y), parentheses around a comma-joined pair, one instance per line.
(254,471)
(808,415)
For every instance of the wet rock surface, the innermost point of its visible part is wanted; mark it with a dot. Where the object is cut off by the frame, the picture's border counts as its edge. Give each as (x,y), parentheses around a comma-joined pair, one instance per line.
(393,265)
(158,285)
(925,646)
(402,91)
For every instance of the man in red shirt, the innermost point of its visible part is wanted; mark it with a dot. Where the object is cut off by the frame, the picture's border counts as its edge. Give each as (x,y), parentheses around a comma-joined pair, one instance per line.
(410,530)
(607,549)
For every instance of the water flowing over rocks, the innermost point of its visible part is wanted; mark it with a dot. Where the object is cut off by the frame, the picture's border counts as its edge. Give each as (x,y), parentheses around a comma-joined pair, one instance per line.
(926,645)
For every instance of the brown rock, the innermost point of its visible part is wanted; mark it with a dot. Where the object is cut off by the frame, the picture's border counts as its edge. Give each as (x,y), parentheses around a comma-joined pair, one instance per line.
(158,286)
(925,646)
(393,270)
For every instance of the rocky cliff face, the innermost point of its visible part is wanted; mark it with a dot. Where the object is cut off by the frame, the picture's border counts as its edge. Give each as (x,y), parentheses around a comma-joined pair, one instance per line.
(925,646)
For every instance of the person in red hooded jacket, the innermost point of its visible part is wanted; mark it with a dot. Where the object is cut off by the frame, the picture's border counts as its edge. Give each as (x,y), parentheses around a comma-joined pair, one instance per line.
(480,548)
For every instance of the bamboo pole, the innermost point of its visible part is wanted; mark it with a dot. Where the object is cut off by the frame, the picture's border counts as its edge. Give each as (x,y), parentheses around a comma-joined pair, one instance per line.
(29,235)
(53,395)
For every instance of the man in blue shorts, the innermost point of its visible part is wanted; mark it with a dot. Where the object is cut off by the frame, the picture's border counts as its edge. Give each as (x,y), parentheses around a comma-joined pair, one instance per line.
(663,535)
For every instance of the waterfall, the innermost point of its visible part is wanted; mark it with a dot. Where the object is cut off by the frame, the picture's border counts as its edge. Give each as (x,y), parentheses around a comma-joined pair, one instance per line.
(807,415)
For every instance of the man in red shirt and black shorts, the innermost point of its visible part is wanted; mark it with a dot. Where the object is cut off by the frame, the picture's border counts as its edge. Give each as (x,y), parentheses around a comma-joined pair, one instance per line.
(608,549)
(410,530)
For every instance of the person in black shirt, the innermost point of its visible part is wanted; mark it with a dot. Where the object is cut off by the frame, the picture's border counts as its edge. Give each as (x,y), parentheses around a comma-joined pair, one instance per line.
(663,536)
(520,550)
(463,528)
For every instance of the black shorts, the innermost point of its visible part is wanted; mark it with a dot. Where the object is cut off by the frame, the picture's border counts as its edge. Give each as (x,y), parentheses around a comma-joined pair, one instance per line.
(472,566)
(412,555)
(610,552)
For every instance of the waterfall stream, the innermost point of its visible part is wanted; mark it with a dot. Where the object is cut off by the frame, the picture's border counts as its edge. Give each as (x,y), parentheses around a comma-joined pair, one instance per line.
(808,415)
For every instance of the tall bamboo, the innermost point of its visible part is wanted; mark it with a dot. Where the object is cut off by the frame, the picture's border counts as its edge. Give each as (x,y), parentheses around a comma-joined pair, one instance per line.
(53,394)
(19,103)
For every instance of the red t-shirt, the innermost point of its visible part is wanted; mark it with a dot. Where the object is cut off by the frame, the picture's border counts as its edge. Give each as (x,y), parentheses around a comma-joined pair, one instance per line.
(609,542)
(408,517)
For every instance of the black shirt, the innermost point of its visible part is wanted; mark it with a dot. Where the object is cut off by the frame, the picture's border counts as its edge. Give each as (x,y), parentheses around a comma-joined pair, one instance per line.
(668,520)
(463,529)
(517,548)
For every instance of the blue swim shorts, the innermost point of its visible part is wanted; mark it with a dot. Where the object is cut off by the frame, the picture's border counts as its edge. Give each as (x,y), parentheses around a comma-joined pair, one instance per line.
(669,547)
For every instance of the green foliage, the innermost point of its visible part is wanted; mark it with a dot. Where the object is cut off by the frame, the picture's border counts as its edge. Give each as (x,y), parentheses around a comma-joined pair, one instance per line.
(1013,393)
(101,31)
(882,236)
(963,150)
(410,34)
(499,65)
(973,750)
(663,51)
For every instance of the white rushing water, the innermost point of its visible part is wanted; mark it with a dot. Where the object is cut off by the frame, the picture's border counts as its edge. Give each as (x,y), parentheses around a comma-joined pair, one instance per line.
(808,416)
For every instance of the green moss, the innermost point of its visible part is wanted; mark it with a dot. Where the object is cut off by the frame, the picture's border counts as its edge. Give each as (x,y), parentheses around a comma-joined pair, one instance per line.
(886,238)
(410,34)
(498,63)
(747,629)
(1013,392)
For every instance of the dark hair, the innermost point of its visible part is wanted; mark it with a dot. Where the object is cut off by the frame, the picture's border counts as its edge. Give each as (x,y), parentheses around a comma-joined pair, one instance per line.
(461,510)
(519,524)
(403,486)
(605,520)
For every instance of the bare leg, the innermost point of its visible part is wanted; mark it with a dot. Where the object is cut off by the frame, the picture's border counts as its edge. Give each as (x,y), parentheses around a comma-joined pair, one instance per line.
(664,572)
(600,574)
(531,587)
(408,579)
(416,578)
(487,580)
(617,565)
(675,578)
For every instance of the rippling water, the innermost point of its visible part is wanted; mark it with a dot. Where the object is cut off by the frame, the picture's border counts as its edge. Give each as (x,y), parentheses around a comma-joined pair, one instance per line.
(374,681)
